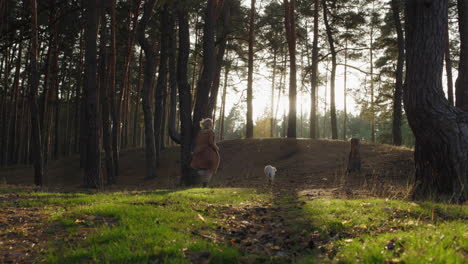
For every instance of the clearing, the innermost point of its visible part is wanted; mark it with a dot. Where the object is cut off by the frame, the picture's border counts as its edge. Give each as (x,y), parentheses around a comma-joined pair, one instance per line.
(313,213)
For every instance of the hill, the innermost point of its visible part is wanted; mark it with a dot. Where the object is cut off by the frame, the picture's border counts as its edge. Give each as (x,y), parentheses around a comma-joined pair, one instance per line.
(302,164)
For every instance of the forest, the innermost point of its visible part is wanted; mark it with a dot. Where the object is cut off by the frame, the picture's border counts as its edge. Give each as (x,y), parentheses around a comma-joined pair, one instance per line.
(361,106)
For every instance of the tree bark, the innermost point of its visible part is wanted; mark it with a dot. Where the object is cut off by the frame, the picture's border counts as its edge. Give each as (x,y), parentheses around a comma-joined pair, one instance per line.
(314,74)
(105,98)
(92,177)
(249,127)
(222,42)
(34,83)
(290,23)
(345,90)
(441,131)
(223,103)
(114,109)
(14,108)
(398,93)
(333,52)
(209,63)
(448,67)
(50,81)
(371,55)
(354,159)
(184,96)
(461,85)
(173,133)
(137,102)
(272,107)
(161,84)
(149,70)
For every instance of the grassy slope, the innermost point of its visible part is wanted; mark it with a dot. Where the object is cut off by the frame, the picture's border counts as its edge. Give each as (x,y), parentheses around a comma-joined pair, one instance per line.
(140,227)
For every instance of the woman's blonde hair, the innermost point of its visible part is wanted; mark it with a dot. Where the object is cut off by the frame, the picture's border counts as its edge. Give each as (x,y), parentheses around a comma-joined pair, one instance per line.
(206,123)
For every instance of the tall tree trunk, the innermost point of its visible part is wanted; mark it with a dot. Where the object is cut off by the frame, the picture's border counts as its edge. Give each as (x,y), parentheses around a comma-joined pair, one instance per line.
(272,107)
(114,109)
(14,107)
(441,131)
(290,24)
(92,177)
(57,121)
(371,55)
(209,64)
(34,83)
(173,133)
(136,119)
(223,103)
(161,84)
(5,110)
(461,85)
(50,81)
(448,67)
(195,54)
(105,99)
(184,95)
(78,96)
(398,93)
(281,85)
(345,90)
(314,75)
(249,127)
(149,70)
(222,42)
(331,43)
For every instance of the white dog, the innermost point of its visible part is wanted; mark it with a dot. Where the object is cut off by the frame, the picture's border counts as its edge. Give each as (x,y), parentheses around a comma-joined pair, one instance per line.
(270,172)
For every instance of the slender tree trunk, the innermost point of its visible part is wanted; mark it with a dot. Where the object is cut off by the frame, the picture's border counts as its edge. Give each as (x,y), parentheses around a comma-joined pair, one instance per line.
(209,63)
(173,133)
(50,81)
(161,85)
(272,107)
(136,120)
(398,93)
(331,43)
(184,96)
(22,118)
(114,109)
(249,126)
(5,122)
(345,91)
(325,101)
(314,74)
(195,55)
(281,85)
(371,55)
(34,83)
(222,42)
(78,95)
(14,107)
(448,67)
(105,99)
(461,85)
(93,177)
(441,131)
(223,103)
(290,23)
(149,70)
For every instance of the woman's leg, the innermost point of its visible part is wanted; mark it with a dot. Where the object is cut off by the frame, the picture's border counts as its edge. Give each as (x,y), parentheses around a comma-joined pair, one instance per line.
(205,176)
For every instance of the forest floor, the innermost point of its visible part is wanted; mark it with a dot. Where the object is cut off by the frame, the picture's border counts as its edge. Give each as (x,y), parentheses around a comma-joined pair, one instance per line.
(313,213)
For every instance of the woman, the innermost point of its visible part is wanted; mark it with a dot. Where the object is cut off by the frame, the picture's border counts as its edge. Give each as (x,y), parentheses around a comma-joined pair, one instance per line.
(205,157)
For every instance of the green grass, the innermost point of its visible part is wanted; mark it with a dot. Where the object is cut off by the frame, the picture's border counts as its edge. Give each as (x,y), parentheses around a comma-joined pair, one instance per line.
(390,231)
(157,226)
(145,226)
